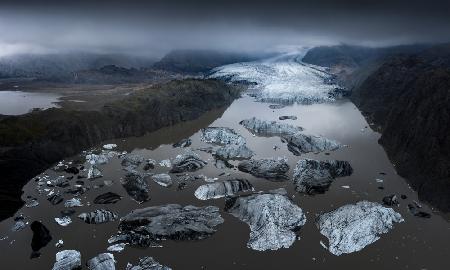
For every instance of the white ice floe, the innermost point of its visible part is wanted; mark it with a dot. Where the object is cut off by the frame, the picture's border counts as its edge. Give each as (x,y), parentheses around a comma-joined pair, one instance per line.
(282,79)
(63,221)
(352,227)
(109,146)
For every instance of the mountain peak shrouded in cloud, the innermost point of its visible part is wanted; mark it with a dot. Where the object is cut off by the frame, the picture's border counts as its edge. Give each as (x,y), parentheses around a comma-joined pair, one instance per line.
(155,27)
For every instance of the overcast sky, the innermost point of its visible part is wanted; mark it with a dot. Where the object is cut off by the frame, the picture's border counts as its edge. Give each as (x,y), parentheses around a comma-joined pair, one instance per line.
(155,27)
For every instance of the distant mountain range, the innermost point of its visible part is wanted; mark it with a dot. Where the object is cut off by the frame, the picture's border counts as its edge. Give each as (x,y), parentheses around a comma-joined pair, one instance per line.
(114,68)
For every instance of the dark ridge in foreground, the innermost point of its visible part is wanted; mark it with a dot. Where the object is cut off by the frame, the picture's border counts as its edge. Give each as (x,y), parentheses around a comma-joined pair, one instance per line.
(30,143)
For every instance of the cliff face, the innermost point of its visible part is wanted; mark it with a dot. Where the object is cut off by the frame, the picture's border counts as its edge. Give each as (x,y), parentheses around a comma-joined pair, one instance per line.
(31,143)
(408,98)
(404,91)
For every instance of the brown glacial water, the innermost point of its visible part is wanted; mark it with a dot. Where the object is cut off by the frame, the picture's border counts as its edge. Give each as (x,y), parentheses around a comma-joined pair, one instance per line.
(417,243)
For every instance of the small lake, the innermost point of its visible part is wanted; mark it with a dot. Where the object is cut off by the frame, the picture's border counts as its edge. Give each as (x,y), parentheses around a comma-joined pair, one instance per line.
(19,102)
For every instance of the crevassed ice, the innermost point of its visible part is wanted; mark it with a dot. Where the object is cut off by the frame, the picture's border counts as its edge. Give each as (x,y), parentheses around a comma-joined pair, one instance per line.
(282,79)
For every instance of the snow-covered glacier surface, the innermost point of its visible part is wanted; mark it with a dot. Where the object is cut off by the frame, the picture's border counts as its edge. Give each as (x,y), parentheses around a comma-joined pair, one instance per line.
(283,79)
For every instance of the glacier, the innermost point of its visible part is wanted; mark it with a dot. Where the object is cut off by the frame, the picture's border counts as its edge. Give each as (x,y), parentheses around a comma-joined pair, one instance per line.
(283,79)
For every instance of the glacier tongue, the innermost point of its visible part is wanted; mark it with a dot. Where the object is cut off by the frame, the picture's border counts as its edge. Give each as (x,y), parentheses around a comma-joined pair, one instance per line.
(283,79)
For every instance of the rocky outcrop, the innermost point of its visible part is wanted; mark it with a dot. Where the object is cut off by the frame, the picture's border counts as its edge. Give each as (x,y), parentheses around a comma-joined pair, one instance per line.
(314,176)
(269,128)
(272,217)
(146,226)
(352,227)
(67,260)
(407,100)
(222,189)
(37,140)
(98,216)
(273,169)
(104,261)
(147,263)
(136,186)
(187,162)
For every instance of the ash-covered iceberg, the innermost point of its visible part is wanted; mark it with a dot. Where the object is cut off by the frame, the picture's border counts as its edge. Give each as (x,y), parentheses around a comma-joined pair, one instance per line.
(269,128)
(272,217)
(233,151)
(98,216)
(150,225)
(269,168)
(221,136)
(222,189)
(104,261)
(352,227)
(299,143)
(314,176)
(187,162)
(67,260)
(136,186)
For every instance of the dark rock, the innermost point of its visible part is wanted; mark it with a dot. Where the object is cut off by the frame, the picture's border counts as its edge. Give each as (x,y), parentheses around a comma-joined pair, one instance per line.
(416,212)
(67,212)
(55,199)
(285,117)
(107,198)
(222,189)
(314,176)
(172,221)
(187,162)
(183,143)
(150,164)
(276,106)
(391,200)
(272,217)
(275,169)
(98,216)
(136,186)
(403,196)
(41,236)
(72,170)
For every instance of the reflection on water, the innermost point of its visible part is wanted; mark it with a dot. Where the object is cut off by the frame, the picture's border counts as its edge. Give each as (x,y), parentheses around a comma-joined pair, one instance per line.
(415,244)
(19,102)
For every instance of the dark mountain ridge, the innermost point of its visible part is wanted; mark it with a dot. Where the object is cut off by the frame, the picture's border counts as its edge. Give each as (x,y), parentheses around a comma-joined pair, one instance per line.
(407,97)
